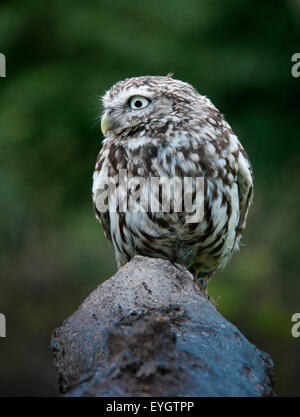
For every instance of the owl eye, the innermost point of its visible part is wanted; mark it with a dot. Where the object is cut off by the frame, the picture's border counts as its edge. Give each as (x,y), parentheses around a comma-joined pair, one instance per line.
(138,102)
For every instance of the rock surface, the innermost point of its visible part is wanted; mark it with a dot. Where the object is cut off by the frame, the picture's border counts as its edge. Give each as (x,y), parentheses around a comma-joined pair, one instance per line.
(147,331)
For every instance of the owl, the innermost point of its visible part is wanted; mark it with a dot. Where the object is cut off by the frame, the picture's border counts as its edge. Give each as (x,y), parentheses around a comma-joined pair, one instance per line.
(160,127)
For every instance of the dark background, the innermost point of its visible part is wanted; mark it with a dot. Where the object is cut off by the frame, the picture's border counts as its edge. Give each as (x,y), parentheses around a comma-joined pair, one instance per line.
(61,56)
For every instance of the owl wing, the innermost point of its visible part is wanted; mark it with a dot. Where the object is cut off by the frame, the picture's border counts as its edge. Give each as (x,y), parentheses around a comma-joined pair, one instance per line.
(104,220)
(102,217)
(245,187)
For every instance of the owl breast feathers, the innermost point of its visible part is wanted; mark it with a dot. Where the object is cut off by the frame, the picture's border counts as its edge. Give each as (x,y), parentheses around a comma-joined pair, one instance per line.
(160,127)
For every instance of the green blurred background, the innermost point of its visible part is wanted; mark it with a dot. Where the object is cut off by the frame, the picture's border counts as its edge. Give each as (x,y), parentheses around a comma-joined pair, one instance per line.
(61,56)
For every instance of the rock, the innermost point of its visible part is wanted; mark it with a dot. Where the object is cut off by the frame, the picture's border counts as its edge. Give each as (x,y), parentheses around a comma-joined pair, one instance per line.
(148,331)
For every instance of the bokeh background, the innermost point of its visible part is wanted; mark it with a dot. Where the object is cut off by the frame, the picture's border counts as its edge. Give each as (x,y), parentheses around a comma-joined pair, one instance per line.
(61,56)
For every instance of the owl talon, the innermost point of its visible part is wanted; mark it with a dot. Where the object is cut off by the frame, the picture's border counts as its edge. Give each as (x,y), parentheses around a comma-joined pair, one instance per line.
(203,287)
(202,284)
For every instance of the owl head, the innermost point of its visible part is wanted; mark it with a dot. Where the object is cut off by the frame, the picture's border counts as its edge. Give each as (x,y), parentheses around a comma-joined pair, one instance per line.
(148,102)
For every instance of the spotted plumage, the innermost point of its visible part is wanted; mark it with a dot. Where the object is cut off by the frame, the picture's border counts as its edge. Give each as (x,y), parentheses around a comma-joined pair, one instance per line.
(161,127)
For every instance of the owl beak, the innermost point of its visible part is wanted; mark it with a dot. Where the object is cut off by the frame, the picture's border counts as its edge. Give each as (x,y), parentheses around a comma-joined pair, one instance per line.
(106,123)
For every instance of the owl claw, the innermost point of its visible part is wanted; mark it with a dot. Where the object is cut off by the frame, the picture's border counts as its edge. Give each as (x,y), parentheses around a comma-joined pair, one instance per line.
(202,284)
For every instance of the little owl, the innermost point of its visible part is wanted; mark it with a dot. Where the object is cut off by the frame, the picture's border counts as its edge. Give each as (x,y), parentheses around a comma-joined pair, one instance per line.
(157,126)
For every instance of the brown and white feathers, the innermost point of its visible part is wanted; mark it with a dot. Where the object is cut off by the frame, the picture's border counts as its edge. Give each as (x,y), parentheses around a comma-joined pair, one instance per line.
(157,126)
